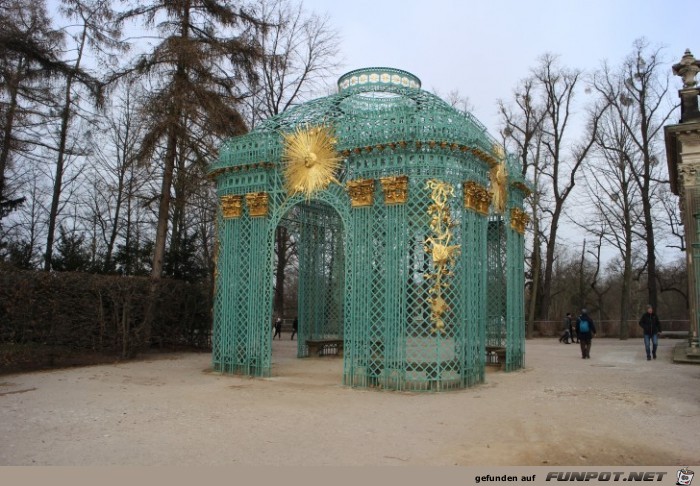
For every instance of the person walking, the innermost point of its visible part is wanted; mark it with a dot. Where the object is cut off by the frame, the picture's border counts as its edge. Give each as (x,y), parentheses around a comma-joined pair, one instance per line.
(572,328)
(295,326)
(652,328)
(568,330)
(585,330)
(278,328)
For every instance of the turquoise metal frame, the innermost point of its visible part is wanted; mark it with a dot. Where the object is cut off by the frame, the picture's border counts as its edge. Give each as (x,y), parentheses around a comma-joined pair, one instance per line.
(363,264)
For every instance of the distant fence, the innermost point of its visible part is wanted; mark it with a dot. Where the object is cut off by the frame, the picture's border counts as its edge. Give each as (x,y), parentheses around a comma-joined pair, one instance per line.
(608,328)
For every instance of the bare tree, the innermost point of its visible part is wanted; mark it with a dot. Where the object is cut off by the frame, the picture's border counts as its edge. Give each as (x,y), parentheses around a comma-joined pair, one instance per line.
(95,31)
(545,107)
(115,174)
(300,52)
(673,219)
(616,202)
(456,100)
(637,93)
(564,159)
(522,132)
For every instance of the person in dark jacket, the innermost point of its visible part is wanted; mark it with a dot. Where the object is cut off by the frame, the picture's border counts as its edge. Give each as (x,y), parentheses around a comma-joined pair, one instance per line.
(585,330)
(572,328)
(295,327)
(278,328)
(652,328)
(568,332)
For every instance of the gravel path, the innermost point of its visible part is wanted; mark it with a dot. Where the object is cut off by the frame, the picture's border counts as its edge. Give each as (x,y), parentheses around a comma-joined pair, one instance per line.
(614,409)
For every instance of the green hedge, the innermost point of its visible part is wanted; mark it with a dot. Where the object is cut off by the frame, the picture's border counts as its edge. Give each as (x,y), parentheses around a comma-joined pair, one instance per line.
(102,313)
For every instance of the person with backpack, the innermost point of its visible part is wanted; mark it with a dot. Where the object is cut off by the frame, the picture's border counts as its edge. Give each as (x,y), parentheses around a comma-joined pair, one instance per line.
(652,328)
(585,330)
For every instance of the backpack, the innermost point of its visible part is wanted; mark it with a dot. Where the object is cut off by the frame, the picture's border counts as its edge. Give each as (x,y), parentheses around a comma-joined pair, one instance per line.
(583,325)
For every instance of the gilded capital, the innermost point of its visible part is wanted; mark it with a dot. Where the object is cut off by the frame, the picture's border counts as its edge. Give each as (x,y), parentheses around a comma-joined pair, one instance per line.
(519,220)
(257,203)
(522,188)
(395,189)
(361,192)
(476,197)
(231,206)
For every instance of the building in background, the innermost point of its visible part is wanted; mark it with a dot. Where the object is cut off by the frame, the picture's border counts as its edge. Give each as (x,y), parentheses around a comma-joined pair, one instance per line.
(683,156)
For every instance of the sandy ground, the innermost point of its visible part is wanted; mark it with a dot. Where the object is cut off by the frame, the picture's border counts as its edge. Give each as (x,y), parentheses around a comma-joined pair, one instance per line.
(614,409)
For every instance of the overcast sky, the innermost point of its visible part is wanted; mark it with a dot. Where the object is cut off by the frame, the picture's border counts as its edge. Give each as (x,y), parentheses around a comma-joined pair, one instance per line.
(483,49)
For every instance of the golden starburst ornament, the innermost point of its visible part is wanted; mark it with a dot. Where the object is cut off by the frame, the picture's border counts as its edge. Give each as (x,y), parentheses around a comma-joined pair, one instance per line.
(310,160)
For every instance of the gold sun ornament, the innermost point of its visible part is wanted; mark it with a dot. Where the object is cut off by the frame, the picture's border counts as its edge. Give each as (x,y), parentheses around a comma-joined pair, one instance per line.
(310,160)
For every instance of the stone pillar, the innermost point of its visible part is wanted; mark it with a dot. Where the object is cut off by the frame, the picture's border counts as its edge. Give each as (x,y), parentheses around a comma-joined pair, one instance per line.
(688,140)
(683,156)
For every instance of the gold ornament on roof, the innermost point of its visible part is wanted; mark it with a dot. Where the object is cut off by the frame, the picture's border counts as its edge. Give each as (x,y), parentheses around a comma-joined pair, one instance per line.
(443,254)
(310,160)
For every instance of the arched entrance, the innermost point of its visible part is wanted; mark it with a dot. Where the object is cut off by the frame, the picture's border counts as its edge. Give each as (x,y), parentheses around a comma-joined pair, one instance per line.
(317,230)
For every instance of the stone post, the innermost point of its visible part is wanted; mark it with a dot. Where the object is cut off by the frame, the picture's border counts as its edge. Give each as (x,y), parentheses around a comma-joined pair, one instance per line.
(683,156)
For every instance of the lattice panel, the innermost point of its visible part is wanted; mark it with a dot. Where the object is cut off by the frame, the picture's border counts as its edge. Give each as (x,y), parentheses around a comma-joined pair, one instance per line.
(474,268)
(496,280)
(240,344)
(515,340)
(433,354)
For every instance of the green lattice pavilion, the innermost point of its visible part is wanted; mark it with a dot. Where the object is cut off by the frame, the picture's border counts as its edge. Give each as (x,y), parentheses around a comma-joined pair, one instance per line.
(410,254)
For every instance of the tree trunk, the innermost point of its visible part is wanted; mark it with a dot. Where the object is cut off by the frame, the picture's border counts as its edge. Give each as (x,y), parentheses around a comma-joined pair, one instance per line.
(120,195)
(626,290)
(651,256)
(281,238)
(164,206)
(58,183)
(534,294)
(549,262)
(60,161)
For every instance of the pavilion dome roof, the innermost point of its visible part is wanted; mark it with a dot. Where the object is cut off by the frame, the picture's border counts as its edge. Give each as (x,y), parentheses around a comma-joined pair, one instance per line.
(373,108)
